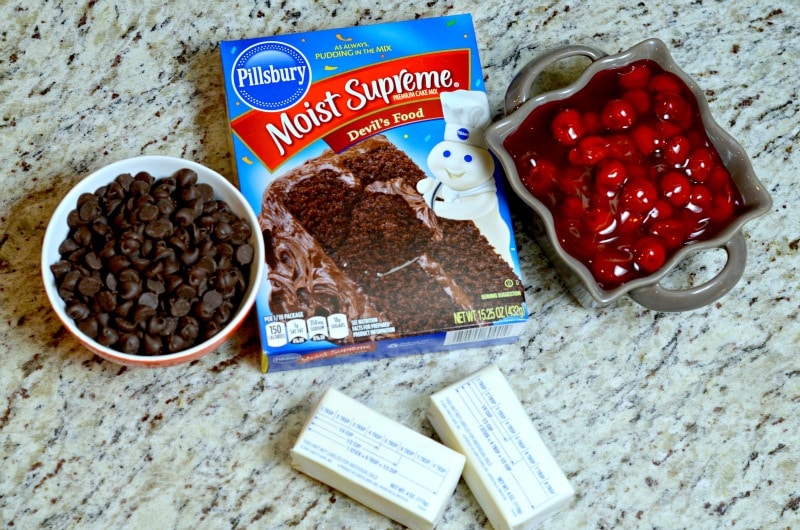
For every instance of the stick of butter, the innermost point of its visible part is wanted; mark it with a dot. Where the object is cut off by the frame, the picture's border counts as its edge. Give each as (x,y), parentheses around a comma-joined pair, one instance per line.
(380,463)
(509,469)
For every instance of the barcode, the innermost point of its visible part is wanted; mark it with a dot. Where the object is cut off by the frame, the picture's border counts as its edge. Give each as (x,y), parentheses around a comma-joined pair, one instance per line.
(464,336)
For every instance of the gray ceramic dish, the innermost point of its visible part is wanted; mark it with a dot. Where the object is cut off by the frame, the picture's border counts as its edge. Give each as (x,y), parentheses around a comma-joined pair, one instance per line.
(647,291)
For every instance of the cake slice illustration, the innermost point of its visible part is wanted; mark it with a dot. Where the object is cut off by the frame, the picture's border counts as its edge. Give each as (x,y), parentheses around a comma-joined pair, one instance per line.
(349,233)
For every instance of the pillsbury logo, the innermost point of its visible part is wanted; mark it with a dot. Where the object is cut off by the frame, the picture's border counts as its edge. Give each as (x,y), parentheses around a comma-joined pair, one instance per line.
(271,76)
(463,133)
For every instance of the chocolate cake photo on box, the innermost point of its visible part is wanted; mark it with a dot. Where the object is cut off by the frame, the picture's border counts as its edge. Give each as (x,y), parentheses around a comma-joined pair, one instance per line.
(350,234)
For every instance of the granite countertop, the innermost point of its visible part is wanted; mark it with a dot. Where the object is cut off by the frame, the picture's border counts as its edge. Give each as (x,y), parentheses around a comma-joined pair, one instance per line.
(659,420)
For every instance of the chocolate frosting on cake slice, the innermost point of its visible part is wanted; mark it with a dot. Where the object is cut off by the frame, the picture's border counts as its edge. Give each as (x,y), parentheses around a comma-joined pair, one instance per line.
(303,277)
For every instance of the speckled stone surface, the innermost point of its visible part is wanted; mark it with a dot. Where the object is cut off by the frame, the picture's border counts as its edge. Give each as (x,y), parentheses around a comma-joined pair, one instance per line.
(660,421)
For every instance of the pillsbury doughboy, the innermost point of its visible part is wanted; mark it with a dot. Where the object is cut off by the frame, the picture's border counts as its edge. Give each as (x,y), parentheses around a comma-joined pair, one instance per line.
(464,187)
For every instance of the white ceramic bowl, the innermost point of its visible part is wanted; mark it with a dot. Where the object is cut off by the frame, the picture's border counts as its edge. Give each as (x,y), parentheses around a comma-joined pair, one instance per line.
(158,167)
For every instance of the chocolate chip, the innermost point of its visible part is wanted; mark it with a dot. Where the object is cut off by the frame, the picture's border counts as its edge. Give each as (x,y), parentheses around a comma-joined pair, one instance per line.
(129,343)
(185,177)
(129,275)
(124,309)
(155,270)
(89,286)
(142,314)
(189,328)
(149,300)
(130,290)
(241,232)
(60,268)
(83,236)
(156,286)
(185,291)
(93,261)
(138,188)
(71,279)
(148,212)
(106,300)
(77,311)
(68,246)
(224,231)
(165,207)
(245,254)
(179,307)
(108,337)
(89,210)
(190,256)
(177,343)
(125,325)
(130,243)
(189,193)
(152,344)
(156,325)
(206,191)
(159,228)
(212,299)
(185,216)
(89,326)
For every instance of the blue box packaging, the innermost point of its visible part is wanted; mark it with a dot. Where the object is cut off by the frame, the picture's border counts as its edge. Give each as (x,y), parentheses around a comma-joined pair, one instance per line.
(384,215)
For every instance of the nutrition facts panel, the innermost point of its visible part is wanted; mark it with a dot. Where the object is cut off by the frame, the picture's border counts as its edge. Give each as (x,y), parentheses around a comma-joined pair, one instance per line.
(377,452)
(281,331)
(502,442)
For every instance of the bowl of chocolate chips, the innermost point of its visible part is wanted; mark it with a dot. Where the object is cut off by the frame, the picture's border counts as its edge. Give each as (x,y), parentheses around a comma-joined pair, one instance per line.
(153,261)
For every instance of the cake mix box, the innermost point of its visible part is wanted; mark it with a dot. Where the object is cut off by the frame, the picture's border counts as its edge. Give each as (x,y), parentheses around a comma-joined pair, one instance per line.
(385,220)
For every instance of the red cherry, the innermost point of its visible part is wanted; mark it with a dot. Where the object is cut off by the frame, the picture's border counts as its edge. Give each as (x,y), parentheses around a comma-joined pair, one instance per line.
(640,100)
(672,108)
(573,182)
(667,130)
(634,76)
(611,267)
(722,208)
(646,139)
(589,151)
(694,222)
(676,151)
(567,127)
(662,210)
(630,222)
(571,208)
(610,174)
(696,136)
(671,231)
(636,171)
(700,164)
(675,186)
(700,199)
(649,254)
(621,146)
(656,171)
(591,122)
(573,239)
(720,180)
(541,178)
(618,114)
(639,195)
(599,221)
(665,83)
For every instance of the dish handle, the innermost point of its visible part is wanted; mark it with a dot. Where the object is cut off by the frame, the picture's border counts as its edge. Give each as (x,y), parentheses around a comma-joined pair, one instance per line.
(659,298)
